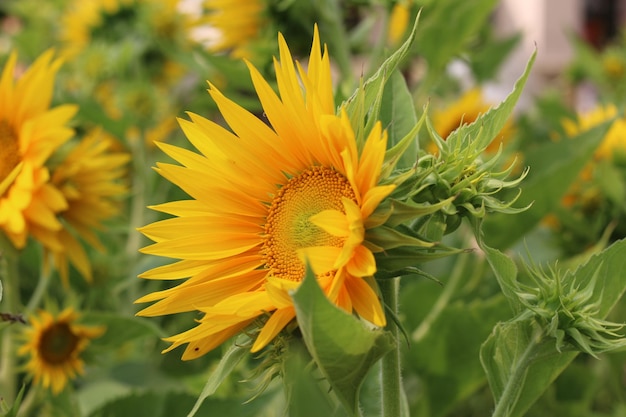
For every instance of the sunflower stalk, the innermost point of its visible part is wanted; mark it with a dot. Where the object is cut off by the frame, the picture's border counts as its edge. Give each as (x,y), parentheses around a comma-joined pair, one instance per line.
(42,285)
(393,399)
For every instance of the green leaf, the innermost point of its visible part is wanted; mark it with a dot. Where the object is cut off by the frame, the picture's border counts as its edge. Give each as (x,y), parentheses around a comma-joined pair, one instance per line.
(226,365)
(553,167)
(485,128)
(366,101)
(520,361)
(397,114)
(343,347)
(519,366)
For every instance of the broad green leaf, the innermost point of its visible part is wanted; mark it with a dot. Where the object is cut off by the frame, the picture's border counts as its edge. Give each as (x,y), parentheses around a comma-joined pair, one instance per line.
(369,95)
(519,367)
(520,361)
(485,128)
(553,167)
(226,365)
(343,347)
(397,114)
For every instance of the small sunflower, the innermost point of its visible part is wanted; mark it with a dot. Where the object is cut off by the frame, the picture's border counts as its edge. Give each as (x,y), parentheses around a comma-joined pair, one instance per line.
(399,18)
(113,36)
(465,111)
(238,23)
(55,345)
(90,178)
(30,131)
(613,146)
(264,199)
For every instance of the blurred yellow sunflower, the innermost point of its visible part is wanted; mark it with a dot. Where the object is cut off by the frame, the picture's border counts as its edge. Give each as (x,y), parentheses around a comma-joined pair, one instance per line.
(613,146)
(264,199)
(151,24)
(30,131)
(238,22)
(90,177)
(465,111)
(399,18)
(54,345)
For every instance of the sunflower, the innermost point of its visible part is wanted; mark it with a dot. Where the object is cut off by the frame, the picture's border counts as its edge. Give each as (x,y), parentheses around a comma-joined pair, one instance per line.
(613,145)
(90,178)
(399,17)
(55,345)
(30,131)
(107,37)
(238,23)
(265,198)
(465,111)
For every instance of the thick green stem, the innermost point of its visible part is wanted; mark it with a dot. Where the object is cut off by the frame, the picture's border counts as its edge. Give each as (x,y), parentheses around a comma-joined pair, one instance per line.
(392,394)
(510,395)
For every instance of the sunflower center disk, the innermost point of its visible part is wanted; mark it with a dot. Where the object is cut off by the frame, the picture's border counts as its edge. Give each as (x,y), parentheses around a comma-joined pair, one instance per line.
(58,343)
(9,150)
(288,227)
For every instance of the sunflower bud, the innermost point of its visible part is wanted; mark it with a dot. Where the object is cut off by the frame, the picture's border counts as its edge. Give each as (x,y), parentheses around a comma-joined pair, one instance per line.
(563,309)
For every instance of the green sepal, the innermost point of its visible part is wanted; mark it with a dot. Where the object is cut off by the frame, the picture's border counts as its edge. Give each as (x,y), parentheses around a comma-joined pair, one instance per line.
(405,146)
(388,238)
(409,210)
(394,263)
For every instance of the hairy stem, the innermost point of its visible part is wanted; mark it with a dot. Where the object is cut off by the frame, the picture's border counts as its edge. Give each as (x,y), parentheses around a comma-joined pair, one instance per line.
(392,394)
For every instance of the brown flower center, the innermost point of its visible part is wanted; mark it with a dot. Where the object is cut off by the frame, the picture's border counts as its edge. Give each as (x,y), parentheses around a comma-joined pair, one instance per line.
(288,227)
(58,343)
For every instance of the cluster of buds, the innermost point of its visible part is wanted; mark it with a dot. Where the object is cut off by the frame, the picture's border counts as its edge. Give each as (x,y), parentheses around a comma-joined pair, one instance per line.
(437,192)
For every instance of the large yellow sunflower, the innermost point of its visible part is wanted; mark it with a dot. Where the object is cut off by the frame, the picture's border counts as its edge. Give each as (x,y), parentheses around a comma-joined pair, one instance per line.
(238,23)
(264,199)
(90,177)
(30,131)
(54,345)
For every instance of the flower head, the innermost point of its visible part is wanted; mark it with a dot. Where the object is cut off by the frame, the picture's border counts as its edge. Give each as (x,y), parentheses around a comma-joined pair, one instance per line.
(613,146)
(55,345)
(89,177)
(30,131)
(268,196)
(238,23)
